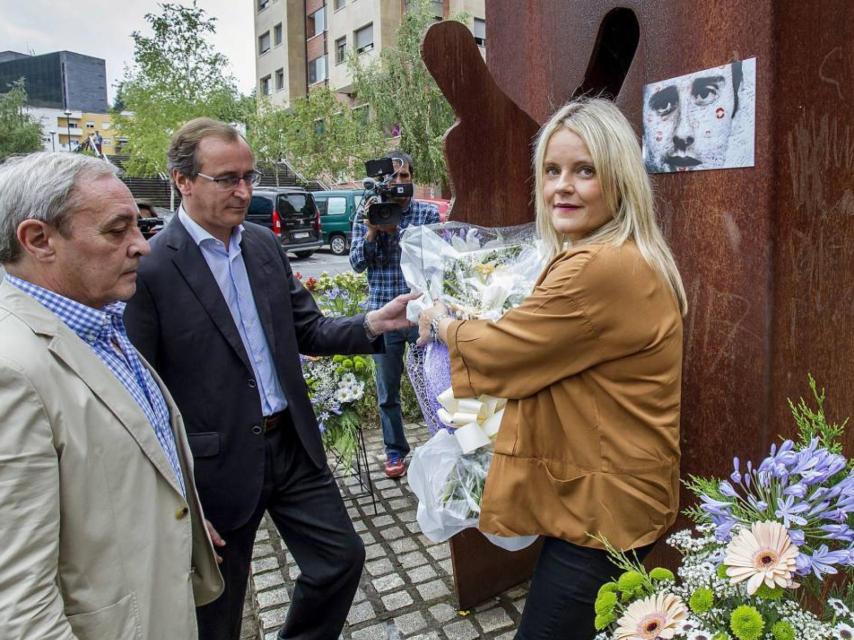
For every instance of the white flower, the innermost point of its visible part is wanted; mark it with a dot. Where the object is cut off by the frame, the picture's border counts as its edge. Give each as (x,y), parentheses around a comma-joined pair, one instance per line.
(763,553)
(700,635)
(651,618)
(843,631)
(839,607)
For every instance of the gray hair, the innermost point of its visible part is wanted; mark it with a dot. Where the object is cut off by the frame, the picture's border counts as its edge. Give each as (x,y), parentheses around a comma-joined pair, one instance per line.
(41,186)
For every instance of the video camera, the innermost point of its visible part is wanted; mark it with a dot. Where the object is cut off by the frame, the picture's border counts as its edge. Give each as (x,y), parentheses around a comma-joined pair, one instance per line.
(381,173)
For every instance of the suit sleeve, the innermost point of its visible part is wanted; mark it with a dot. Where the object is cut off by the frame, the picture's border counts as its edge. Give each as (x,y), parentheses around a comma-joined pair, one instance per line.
(31,605)
(318,335)
(142,323)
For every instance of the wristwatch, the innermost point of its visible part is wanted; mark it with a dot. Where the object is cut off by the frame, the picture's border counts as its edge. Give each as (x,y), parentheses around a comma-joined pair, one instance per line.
(434,325)
(368,331)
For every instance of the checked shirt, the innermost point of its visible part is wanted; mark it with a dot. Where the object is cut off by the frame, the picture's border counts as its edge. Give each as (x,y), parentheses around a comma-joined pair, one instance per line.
(103,330)
(382,257)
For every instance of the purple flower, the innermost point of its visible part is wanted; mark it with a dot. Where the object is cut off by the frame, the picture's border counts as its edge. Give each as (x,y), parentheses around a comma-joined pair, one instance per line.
(727,490)
(735,476)
(790,511)
(796,490)
(821,562)
(797,537)
(839,532)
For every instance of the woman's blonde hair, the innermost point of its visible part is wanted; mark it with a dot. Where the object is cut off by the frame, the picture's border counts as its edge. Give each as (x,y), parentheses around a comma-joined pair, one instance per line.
(625,184)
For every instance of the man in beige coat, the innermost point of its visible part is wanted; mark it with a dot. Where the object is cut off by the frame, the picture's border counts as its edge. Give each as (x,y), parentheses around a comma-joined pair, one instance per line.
(101,533)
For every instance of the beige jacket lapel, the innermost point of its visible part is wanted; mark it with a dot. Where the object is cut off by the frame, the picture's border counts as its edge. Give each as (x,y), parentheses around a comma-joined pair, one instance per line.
(78,356)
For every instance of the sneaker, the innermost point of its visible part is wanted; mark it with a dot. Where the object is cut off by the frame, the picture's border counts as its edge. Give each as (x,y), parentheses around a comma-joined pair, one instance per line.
(394,466)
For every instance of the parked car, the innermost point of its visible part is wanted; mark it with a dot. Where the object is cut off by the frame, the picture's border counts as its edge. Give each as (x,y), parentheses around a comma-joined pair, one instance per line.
(337,209)
(292,214)
(443,205)
(151,219)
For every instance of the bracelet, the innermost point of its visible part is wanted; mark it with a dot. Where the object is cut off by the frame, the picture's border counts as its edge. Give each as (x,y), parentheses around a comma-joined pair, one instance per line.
(434,325)
(369,332)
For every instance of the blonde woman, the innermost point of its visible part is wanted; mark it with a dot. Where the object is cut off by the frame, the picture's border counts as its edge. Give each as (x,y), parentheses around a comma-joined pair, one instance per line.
(591,365)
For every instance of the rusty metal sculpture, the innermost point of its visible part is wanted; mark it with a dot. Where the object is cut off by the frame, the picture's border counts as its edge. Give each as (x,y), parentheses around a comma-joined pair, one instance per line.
(767,252)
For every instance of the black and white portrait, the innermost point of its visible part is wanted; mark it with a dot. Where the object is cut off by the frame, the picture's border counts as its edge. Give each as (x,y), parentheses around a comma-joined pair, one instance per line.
(702,120)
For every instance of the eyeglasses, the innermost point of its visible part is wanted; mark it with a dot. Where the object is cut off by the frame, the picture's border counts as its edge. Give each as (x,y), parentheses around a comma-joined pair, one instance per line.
(230,182)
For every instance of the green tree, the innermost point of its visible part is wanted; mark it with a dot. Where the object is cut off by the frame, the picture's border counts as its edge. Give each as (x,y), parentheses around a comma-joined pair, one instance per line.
(320,136)
(19,133)
(177,75)
(404,95)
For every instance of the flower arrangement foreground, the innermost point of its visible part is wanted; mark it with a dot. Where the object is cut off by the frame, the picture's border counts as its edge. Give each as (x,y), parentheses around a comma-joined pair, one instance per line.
(342,388)
(770,556)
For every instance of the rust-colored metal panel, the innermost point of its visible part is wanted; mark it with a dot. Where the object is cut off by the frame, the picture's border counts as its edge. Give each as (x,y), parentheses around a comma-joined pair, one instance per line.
(482,570)
(812,213)
(315,47)
(488,150)
(766,252)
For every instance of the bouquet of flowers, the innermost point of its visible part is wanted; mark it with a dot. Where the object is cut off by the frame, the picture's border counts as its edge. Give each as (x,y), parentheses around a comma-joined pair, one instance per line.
(764,543)
(477,273)
(340,387)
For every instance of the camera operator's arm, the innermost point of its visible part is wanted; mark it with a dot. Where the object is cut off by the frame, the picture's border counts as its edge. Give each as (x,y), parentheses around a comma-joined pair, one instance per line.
(363,245)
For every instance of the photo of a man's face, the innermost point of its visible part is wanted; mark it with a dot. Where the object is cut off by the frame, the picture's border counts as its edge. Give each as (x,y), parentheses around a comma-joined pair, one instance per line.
(702,120)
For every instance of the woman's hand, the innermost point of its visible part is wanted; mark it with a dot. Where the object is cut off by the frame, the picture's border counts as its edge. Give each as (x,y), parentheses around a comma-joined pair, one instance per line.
(425,320)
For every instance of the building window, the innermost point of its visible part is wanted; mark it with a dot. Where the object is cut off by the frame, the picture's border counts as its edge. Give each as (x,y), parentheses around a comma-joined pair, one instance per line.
(316,23)
(277,35)
(317,70)
(340,50)
(364,38)
(265,86)
(339,4)
(90,125)
(262,4)
(264,42)
(480,32)
(280,79)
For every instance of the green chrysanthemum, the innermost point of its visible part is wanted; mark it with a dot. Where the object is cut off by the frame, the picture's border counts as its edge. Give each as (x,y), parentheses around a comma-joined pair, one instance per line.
(630,582)
(721,572)
(606,602)
(782,630)
(660,573)
(746,623)
(701,600)
(767,593)
(603,620)
(720,635)
(608,587)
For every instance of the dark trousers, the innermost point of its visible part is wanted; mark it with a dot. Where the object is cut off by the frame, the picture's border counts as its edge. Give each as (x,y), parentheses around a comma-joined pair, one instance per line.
(307,509)
(563,590)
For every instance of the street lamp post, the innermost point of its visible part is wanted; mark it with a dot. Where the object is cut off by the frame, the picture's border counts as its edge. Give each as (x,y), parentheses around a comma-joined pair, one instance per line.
(67,113)
(53,139)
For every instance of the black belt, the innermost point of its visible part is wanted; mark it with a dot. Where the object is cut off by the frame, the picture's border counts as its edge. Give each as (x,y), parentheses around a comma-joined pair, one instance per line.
(268,423)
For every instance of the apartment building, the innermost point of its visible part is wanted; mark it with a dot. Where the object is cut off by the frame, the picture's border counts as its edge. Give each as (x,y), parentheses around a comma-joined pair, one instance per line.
(300,44)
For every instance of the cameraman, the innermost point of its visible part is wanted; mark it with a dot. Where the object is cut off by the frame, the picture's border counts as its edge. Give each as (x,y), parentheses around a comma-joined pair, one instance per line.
(377,249)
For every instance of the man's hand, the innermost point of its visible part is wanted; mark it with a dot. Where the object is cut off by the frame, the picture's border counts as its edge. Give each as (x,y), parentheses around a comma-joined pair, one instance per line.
(392,316)
(374,229)
(217,540)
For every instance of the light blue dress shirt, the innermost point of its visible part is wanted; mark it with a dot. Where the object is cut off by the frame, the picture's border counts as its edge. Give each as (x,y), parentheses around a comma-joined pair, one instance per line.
(229,271)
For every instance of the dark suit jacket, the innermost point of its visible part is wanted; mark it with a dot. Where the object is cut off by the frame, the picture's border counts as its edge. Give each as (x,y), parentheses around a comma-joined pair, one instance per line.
(179,321)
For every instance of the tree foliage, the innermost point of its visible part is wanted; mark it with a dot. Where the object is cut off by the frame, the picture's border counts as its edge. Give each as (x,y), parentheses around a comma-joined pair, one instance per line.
(404,95)
(177,75)
(318,135)
(19,133)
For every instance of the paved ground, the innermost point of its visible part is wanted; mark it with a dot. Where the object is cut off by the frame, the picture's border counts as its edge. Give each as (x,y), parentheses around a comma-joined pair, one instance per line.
(406,587)
(318,262)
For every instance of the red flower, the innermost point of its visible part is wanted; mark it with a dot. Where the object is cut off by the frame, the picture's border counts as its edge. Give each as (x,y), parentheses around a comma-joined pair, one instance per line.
(298,275)
(310,284)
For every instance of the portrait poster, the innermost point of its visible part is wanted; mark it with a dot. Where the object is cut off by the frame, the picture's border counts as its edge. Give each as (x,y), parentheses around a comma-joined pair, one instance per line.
(702,120)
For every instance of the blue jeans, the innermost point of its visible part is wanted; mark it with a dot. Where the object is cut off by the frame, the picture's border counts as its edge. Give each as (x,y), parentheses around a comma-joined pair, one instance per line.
(389,370)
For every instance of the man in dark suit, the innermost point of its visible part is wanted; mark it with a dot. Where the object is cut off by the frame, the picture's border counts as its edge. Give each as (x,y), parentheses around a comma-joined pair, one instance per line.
(221,317)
